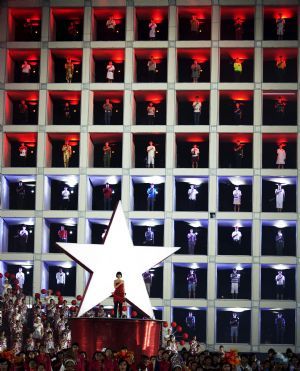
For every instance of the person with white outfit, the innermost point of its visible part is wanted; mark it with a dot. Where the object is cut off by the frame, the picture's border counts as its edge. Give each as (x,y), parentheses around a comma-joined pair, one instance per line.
(279,195)
(237,199)
(197,107)
(151,150)
(192,195)
(152,30)
(281,157)
(110,68)
(236,236)
(60,280)
(20,276)
(280,284)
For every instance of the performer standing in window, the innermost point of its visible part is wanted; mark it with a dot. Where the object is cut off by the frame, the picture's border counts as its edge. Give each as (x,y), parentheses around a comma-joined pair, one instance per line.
(23,112)
(152,30)
(21,194)
(118,295)
(280,26)
(69,67)
(279,242)
(239,153)
(151,197)
(281,156)
(110,69)
(239,28)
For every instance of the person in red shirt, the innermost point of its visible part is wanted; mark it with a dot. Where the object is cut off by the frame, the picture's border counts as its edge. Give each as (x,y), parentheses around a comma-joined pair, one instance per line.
(62,234)
(109,363)
(165,364)
(118,294)
(107,196)
(97,362)
(77,357)
(43,359)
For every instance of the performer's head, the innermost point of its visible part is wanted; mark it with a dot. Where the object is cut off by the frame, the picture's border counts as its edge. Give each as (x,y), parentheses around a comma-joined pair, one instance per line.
(119,275)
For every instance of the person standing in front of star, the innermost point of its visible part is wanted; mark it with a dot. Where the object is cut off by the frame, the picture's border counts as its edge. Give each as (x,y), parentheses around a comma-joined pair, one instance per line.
(118,295)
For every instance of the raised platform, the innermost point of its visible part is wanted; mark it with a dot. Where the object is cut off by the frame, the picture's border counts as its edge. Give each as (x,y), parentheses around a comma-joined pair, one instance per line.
(142,336)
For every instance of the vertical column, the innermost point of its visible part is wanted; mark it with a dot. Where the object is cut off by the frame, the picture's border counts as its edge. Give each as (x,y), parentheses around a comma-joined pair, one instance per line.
(257,108)
(213,194)
(210,325)
(81,238)
(171,107)
(44,65)
(214,65)
(86,108)
(39,193)
(82,192)
(258,23)
(37,274)
(129,56)
(256,237)
(42,107)
(45,23)
(127,201)
(41,145)
(169,234)
(169,192)
(87,23)
(127,110)
(4,26)
(257,150)
(38,235)
(297,350)
(127,156)
(2,108)
(173,20)
(254,326)
(256,194)
(215,22)
(86,57)
(129,23)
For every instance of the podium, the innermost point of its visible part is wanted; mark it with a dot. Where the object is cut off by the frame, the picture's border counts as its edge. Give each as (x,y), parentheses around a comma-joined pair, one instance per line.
(142,336)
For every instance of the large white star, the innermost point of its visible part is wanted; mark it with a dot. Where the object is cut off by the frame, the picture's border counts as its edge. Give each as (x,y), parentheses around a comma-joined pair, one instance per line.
(116,254)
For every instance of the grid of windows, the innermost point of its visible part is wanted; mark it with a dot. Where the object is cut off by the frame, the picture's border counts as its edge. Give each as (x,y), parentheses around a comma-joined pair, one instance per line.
(215,87)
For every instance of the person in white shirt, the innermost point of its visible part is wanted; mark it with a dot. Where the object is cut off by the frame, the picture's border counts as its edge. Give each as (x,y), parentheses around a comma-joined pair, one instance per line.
(151,151)
(22,239)
(236,236)
(65,198)
(280,285)
(281,157)
(151,113)
(152,30)
(110,68)
(237,199)
(23,150)
(111,24)
(197,107)
(60,280)
(280,196)
(151,65)
(25,69)
(235,283)
(192,196)
(195,156)
(20,276)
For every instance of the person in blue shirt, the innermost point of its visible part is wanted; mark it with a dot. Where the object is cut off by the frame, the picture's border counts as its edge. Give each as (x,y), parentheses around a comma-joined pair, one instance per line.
(151,197)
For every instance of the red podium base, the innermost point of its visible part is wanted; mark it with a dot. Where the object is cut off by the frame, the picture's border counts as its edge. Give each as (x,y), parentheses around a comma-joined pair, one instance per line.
(142,336)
